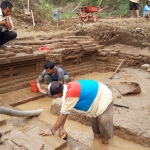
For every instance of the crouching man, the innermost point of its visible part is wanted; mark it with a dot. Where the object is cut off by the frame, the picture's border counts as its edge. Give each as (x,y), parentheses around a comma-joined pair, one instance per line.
(52,73)
(6,25)
(89,96)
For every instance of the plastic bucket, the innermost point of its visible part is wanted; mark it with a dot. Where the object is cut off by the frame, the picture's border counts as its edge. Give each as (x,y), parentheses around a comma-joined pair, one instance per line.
(34,87)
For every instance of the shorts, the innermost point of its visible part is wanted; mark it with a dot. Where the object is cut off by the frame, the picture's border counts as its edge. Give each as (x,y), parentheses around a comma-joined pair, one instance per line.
(103,123)
(134,6)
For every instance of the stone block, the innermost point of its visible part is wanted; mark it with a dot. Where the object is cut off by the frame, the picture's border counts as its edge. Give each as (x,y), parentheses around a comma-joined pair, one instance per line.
(145,66)
(101,58)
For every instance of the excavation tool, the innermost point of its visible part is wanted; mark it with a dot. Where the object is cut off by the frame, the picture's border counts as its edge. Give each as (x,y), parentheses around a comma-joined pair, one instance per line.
(117,69)
(117,105)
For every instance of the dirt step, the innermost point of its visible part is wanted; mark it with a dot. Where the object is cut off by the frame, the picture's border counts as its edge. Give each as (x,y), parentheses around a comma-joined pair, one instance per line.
(74,65)
(19,80)
(79,68)
(39,42)
(82,71)
(78,37)
(22,77)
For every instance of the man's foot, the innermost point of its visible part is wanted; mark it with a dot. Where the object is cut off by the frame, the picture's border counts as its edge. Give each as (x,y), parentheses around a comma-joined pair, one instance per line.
(105,141)
(4,47)
(97,136)
(138,16)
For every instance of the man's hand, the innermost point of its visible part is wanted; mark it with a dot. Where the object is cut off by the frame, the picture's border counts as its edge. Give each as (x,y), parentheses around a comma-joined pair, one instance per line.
(43,91)
(62,133)
(47,132)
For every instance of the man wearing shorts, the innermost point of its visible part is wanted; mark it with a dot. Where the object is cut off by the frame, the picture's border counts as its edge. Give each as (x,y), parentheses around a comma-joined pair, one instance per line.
(134,5)
(146,10)
(85,95)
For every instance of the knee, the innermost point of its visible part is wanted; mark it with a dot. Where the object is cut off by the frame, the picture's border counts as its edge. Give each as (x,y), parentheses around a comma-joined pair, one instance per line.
(47,79)
(66,79)
(13,34)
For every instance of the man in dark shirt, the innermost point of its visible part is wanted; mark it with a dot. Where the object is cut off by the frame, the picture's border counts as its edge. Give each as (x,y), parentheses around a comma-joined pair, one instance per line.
(52,73)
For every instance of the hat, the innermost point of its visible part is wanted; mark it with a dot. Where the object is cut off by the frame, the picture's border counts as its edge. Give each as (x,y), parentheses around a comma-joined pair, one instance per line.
(49,64)
(55,87)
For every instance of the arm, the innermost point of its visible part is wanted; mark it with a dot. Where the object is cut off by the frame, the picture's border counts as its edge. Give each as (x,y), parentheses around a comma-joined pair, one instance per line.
(38,80)
(3,23)
(59,124)
(60,74)
(61,118)
(8,24)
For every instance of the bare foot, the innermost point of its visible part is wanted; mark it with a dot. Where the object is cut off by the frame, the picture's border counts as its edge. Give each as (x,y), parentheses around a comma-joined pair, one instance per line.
(104,141)
(97,136)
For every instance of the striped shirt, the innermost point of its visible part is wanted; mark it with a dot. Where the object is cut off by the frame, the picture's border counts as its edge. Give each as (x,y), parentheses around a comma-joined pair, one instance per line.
(86,95)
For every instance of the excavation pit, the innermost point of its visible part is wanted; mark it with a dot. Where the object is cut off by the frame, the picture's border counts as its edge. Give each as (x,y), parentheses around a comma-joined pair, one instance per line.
(22,63)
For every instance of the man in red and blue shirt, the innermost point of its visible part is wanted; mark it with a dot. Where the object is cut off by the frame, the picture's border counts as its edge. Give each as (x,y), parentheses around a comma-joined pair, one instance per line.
(89,96)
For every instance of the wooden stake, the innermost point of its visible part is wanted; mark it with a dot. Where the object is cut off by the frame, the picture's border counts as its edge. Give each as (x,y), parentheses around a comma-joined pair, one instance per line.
(99,3)
(28,5)
(32,18)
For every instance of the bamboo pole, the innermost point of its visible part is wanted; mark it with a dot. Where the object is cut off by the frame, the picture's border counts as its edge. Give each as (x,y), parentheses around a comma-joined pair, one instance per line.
(28,5)
(99,2)
(32,18)
(76,7)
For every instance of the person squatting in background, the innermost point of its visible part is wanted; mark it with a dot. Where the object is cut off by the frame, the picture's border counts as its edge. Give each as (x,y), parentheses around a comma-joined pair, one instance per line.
(6,24)
(146,10)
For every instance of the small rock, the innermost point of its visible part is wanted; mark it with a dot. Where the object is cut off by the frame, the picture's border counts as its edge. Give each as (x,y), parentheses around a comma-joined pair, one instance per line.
(26,26)
(145,66)
(148,70)
(119,96)
(138,30)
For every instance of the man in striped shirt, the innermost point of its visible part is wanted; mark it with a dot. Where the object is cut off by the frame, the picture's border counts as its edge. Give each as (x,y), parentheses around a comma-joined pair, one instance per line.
(89,96)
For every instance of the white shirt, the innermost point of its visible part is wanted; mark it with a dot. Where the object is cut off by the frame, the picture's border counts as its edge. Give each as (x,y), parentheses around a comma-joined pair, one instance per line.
(2,18)
(135,1)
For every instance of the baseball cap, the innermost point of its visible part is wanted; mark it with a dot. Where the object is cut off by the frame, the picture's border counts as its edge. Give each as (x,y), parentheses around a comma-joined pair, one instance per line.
(55,87)
(49,64)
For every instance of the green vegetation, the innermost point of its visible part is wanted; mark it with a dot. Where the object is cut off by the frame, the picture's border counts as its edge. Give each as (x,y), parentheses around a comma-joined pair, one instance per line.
(45,8)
